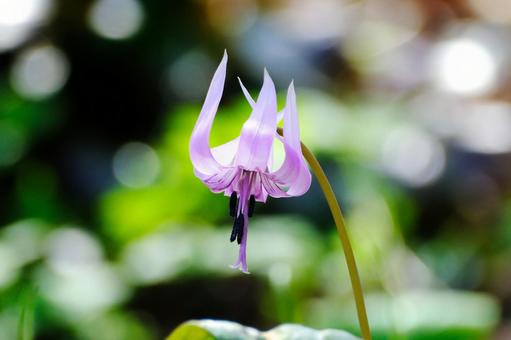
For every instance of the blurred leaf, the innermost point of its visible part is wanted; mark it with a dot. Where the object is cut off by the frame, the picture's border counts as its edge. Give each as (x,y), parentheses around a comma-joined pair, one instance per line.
(33,118)
(414,314)
(299,332)
(227,330)
(188,331)
(26,319)
(37,193)
(112,325)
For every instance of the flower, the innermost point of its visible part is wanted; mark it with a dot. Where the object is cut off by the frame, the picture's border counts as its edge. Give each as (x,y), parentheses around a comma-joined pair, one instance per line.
(241,168)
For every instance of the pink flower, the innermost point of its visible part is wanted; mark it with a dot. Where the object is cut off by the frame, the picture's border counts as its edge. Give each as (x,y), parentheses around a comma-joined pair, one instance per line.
(241,168)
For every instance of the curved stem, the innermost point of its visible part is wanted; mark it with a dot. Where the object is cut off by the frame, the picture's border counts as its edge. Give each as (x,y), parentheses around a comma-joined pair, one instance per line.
(343,235)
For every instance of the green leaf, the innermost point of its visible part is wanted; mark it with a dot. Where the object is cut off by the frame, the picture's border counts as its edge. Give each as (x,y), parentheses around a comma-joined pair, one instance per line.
(299,332)
(227,330)
(214,330)
(189,331)
(26,320)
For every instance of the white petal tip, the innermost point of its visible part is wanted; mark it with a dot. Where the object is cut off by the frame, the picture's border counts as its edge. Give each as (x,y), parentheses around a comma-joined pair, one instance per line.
(291,85)
(225,56)
(291,92)
(267,78)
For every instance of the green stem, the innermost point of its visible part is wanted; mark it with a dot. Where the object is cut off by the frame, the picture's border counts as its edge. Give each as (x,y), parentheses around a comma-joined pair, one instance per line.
(343,235)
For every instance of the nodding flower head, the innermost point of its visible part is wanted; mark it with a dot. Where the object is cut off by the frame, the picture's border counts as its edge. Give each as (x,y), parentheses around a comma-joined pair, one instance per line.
(241,168)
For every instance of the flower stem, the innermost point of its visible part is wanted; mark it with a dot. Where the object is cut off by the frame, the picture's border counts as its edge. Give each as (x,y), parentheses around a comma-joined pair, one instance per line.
(343,235)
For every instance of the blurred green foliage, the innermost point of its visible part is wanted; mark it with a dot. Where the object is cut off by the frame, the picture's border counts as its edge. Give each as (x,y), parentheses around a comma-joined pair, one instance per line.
(166,232)
(86,255)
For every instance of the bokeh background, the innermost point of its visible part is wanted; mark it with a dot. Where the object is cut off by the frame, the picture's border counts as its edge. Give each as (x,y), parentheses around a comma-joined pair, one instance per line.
(106,234)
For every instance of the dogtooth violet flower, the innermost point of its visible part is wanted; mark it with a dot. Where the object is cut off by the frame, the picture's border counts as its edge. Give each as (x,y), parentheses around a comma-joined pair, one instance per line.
(242,168)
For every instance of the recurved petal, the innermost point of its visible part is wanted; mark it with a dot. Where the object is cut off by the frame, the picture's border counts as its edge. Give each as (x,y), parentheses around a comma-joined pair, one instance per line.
(271,187)
(200,152)
(246,94)
(293,173)
(291,124)
(257,134)
(222,181)
(251,101)
(224,154)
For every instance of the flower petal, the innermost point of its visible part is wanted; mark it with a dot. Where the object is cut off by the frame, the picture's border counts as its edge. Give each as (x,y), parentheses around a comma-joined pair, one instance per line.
(200,152)
(223,181)
(257,134)
(224,154)
(294,173)
(291,124)
(251,101)
(246,93)
(258,190)
(271,187)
